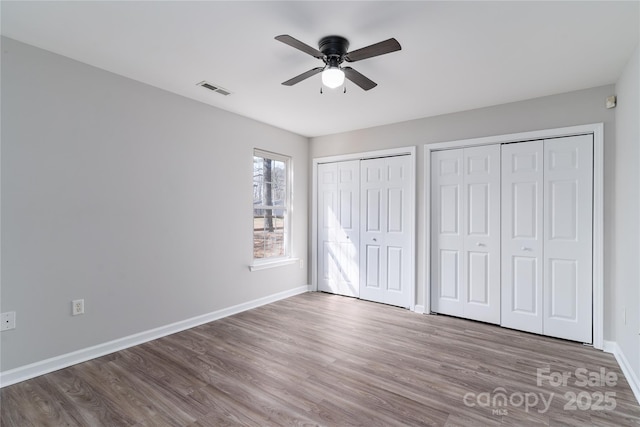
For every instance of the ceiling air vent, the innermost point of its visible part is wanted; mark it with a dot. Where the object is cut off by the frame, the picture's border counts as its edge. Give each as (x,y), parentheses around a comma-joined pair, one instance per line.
(217,89)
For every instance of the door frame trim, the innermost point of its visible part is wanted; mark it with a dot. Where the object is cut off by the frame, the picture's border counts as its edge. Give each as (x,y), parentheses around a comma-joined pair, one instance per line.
(595,129)
(401,151)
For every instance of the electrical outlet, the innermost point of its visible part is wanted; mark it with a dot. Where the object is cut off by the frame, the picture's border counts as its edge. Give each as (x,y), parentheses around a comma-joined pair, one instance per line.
(301,263)
(77,307)
(8,321)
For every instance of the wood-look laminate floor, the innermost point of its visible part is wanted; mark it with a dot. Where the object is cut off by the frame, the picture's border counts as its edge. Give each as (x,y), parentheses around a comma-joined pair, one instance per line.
(319,359)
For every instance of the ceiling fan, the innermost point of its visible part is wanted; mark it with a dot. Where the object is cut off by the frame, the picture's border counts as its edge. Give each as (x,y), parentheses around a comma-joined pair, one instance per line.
(332,50)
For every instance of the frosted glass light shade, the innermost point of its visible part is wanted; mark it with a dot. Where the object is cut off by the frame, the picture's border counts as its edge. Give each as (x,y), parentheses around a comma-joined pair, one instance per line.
(332,77)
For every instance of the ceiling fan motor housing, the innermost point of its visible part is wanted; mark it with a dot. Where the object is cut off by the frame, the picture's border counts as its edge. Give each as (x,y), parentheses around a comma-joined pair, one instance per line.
(334,48)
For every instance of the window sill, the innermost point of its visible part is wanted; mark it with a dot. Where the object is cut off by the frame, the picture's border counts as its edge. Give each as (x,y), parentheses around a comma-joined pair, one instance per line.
(262,265)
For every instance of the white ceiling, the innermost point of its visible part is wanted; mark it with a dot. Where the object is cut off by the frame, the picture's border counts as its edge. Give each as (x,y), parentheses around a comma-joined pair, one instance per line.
(455,55)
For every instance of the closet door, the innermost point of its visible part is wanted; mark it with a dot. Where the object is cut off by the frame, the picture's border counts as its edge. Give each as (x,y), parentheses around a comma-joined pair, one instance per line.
(568,184)
(547,284)
(385,255)
(447,241)
(338,227)
(522,236)
(465,227)
(481,213)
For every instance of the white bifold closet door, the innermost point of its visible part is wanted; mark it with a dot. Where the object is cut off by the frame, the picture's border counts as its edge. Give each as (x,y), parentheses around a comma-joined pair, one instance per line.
(385,254)
(522,235)
(465,227)
(547,189)
(339,227)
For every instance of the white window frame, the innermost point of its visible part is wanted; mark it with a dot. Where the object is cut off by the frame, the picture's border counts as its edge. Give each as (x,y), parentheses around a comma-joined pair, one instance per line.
(287,258)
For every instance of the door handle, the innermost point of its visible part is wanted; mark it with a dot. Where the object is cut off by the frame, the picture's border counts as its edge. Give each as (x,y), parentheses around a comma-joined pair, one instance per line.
(479,244)
(375,240)
(524,248)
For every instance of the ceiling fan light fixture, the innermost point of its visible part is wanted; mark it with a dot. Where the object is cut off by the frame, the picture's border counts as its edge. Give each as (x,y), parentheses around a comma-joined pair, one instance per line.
(333,51)
(333,77)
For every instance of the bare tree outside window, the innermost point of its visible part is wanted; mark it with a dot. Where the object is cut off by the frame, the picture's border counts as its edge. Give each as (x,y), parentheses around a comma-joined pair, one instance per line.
(268,195)
(270,205)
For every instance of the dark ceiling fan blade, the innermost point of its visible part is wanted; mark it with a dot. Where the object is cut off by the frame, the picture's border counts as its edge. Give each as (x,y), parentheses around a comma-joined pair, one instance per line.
(303,76)
(377,49)
(287,39)
(359,79)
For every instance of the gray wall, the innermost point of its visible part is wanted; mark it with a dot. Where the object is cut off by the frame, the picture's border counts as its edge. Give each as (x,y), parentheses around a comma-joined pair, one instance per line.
(133,198)
(625,269)
(136,200)
(569,109)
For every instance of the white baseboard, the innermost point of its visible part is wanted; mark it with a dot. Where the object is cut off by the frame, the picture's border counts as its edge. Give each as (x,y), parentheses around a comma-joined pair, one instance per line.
(46,366)
(419,309)
(613,348)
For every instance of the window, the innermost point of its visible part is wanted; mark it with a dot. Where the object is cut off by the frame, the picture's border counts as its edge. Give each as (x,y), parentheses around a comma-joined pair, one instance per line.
(271,205)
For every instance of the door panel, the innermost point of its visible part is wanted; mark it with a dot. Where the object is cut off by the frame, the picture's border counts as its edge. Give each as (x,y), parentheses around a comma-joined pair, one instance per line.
(338,236)
(372,263)
(346,209)
(448,220)
(394,270)
(522,245)
(327,209)
(465,247)
(563,199)
(478,277)
(568,243)
(524,281)
(481,208)
(564,288)
(386,237)
(525,197)
(447,243)
(449,275)
(373,209)
(395,215)
(478,220)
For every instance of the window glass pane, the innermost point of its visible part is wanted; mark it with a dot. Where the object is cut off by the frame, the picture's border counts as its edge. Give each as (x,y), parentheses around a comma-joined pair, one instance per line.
(268,234)
(270,207)
(269,182)
(278,180)
(258,180)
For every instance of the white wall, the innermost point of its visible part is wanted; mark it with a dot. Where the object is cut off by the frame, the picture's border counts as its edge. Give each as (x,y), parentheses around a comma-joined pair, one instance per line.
(133,198)
(625,252)
(569,109)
